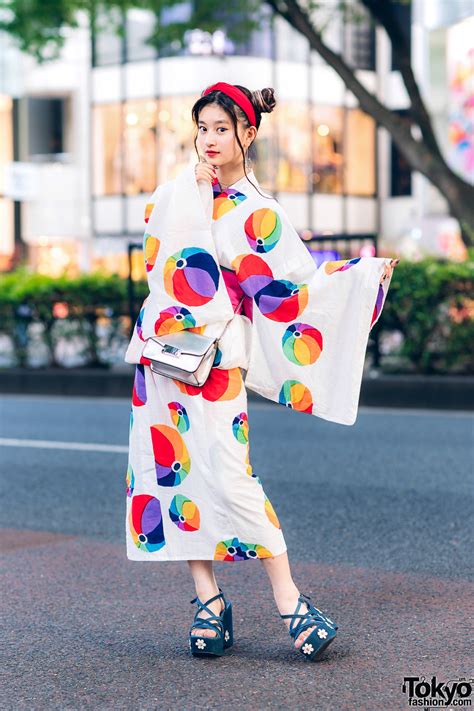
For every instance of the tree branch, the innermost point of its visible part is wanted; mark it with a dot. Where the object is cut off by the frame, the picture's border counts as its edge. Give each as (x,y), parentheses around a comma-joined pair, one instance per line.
(420,156)
(384,14)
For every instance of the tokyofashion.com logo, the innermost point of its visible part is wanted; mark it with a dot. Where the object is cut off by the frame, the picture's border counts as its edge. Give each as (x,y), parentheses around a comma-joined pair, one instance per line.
(440,694)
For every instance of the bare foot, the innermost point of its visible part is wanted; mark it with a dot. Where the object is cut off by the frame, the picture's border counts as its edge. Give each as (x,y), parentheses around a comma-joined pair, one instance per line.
(217,606)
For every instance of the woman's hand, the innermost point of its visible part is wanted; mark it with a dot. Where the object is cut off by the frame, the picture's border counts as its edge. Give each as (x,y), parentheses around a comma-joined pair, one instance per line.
(205,171)
(388,268)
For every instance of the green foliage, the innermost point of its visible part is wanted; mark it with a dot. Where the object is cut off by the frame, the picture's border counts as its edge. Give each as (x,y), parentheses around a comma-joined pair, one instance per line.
(431,302)
(38,25)
(27,298)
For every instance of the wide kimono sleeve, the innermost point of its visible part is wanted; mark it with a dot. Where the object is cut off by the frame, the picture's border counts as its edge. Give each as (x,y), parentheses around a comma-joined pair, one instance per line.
(310,325)
(187,290)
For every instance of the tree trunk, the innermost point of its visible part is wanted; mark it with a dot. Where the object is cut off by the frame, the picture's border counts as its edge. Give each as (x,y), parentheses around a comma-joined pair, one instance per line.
(423,155)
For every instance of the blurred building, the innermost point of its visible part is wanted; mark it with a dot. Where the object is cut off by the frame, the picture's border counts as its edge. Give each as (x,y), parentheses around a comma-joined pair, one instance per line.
(86,138)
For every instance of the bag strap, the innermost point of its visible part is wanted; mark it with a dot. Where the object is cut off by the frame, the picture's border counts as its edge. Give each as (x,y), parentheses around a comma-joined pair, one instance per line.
(235,311)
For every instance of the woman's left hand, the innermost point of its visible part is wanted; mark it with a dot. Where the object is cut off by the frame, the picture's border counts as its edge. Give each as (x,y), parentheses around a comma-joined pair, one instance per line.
(388,268)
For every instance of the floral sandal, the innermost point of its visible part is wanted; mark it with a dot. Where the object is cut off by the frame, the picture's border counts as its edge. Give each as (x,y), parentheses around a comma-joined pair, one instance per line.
(320,637)
(221,624)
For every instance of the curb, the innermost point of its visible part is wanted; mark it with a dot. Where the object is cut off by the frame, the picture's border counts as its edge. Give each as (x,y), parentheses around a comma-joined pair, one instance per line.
(442,392)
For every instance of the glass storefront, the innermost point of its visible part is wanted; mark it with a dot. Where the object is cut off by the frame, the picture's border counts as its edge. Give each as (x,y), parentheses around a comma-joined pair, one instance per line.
(107,151)
(139,144)
(327,135)
(6,206)
(175,135)
(359,154)
(293,127)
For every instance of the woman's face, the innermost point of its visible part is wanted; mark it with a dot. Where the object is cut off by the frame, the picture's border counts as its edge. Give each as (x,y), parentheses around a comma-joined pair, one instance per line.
(216,140)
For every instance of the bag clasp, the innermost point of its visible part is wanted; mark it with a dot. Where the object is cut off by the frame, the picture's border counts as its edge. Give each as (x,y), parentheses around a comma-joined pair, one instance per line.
(171,350)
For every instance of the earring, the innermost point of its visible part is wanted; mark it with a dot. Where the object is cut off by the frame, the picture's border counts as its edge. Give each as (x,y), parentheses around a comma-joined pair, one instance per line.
(247,161)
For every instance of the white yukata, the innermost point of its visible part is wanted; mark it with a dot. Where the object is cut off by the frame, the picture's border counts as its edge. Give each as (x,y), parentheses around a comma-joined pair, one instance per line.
(301,336)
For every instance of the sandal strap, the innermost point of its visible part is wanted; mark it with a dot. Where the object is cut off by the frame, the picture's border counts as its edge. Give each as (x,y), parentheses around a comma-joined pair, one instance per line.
(205,623)
(311,618)
(213,621)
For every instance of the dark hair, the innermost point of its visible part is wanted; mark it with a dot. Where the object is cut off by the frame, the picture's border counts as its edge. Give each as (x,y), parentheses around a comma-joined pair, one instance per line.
(263,101)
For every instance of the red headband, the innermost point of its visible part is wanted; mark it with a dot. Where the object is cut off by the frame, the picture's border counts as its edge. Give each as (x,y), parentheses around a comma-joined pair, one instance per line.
(237,95)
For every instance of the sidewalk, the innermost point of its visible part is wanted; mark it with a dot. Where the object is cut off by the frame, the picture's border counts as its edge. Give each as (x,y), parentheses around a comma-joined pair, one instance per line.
(445,392)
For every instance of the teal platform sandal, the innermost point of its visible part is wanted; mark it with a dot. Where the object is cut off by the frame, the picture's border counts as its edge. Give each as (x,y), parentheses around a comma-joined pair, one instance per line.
(222,624)
(323,634)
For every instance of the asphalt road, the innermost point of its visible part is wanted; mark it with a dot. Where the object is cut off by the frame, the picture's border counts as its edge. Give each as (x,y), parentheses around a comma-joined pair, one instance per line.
(378,522)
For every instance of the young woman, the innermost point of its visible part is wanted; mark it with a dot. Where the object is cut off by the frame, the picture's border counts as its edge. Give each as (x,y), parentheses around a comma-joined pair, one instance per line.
(217,244)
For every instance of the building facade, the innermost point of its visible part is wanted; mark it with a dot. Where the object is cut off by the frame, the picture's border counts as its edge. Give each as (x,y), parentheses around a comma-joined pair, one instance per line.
(89,136)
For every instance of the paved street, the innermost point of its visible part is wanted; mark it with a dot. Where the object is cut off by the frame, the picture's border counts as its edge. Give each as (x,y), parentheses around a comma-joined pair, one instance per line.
(378,522)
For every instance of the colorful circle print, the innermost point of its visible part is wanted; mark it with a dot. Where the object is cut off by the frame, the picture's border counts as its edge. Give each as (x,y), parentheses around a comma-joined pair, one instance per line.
(240,428)
(184,513)
(296,396)
(191,276)
(302,343)
(151,246)
(282,300)
(172,462)
(146,523)
(179,416)
(252,272)
(139,387)
(220,385)
(233,549)
(263,229)
(139,323)
(340,265)
(172,319)
(378,305)
(225,200)
(130,480)
(271,514)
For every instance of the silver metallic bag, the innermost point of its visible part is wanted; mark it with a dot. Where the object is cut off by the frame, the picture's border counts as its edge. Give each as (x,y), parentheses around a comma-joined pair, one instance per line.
(184,355)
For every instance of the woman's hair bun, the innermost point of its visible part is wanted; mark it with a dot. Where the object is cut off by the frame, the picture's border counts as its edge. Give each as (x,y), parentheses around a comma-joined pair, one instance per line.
(264,99)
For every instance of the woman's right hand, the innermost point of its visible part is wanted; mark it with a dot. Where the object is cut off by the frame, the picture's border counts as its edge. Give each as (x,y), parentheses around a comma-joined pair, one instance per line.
(205,171)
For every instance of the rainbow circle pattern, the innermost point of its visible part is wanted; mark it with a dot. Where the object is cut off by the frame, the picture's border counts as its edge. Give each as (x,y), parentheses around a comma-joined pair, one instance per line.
(249,469)
(240,428)
(263,229)
(378,305)
(217,358)
(148,210)
(270,511)
(302,343)
(179,416)
(282,300)
(233,549)
(146,523)
(172,461)
(172,319)
(191,276)
(139,386)
(220,385)
(140,322)
(296,396)
(252,273)
(225,200)
(130,480)
(151,247)
(184,513)
(341,265)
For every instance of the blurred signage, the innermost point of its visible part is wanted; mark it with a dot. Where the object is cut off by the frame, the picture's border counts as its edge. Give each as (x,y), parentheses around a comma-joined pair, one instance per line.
(324,255)
(21,181)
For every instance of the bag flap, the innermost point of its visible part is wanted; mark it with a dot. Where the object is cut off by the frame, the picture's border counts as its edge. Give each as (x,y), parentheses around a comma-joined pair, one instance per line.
(188,343)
